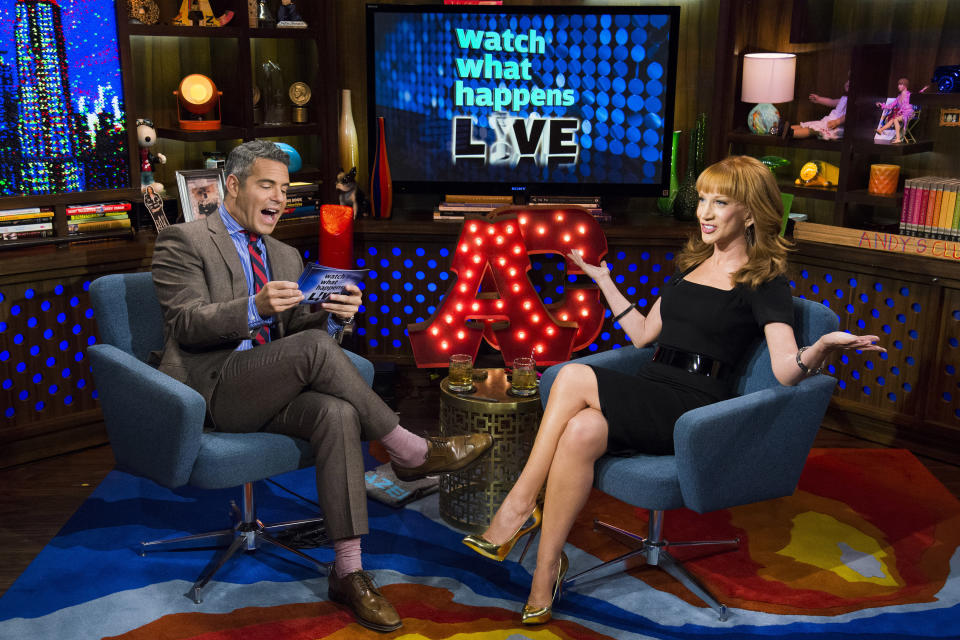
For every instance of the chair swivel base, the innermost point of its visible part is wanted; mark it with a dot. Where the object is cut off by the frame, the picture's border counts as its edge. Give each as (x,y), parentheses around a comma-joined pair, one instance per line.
(653,548)
(248,534)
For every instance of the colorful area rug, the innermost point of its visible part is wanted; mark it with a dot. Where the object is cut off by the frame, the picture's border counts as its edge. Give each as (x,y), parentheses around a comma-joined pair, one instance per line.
(867,546)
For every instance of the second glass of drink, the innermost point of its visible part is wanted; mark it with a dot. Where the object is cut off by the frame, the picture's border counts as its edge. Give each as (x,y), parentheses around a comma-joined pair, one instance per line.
(523,380)
(460,374)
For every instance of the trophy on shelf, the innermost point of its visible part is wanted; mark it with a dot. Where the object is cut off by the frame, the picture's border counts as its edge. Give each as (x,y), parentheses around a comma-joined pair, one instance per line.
(195,13)
(272,93)
(300,95)
(257,106)
(288,17)
(143,11)
(265,19)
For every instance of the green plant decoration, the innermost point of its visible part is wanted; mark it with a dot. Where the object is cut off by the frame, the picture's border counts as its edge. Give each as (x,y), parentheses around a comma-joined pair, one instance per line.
(685,204)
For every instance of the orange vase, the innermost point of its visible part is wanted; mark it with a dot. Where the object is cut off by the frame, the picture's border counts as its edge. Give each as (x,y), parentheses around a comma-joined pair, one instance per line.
(883,179)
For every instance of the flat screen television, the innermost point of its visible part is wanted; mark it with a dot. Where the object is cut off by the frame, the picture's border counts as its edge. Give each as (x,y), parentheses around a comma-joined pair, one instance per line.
(529,99)
(62,114)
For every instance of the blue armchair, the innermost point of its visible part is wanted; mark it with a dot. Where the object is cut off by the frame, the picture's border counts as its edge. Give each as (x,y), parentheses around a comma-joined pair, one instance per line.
(743,450)
(156,424)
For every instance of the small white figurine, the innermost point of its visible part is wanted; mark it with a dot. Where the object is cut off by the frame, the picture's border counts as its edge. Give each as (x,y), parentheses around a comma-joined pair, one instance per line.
(147,137)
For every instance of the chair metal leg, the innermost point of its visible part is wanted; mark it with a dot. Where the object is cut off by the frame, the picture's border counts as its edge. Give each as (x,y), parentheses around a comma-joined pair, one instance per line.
(247,534)
(277,527)
(212,567)
(653,548)
(687,579)
(262,536)
(213,539)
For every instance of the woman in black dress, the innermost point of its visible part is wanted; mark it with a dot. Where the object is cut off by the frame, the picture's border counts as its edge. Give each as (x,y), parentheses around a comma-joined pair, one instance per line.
(730,290)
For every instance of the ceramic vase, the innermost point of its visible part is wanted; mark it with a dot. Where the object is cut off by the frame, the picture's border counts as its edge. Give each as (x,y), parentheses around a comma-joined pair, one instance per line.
(665,204)
(685,204)
(381,186)
(349,150)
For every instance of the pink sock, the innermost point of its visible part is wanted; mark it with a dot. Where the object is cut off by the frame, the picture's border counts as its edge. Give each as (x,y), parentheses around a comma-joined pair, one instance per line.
(347,556)
(405,448)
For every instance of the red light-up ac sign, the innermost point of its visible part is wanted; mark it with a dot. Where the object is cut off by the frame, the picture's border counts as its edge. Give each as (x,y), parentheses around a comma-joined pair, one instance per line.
(493,298)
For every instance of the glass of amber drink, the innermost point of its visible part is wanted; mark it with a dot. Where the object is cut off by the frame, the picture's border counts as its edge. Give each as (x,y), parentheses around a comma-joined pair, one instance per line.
(460,374)
(523,379)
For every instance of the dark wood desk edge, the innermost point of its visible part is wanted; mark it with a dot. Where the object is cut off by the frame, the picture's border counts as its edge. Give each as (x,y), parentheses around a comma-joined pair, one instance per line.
(870,261)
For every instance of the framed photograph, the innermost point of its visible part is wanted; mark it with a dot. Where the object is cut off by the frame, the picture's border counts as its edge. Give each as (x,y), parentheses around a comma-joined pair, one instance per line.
(201,192)
(950,117)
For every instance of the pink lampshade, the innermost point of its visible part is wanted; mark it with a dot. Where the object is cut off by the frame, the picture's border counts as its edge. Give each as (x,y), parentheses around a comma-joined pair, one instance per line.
(768,77)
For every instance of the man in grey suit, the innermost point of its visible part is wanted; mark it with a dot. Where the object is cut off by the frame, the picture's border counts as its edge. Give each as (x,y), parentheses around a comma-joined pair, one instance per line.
(237,333)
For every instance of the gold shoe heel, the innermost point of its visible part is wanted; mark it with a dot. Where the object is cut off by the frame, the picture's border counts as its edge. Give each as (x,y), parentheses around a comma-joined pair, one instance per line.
(542,615)
(499,552)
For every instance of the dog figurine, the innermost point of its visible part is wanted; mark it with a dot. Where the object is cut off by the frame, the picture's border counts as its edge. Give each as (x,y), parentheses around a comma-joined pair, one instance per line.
(350,194)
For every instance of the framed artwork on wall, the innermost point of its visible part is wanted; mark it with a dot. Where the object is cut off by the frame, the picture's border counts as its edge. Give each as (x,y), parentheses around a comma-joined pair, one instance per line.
(201,192)
(950,117)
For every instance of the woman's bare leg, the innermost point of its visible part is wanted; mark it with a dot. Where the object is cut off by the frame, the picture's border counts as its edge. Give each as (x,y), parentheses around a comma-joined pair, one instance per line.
(896,127)
(583,441)
(573,390)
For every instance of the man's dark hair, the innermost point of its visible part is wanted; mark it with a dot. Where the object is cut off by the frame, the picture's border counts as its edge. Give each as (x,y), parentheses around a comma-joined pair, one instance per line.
(241,159)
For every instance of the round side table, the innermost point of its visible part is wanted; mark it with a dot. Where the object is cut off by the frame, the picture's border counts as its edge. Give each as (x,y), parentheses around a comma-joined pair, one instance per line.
(469,498)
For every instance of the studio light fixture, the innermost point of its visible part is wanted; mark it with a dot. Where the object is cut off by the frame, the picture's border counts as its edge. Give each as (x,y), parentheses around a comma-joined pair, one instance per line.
(198,103)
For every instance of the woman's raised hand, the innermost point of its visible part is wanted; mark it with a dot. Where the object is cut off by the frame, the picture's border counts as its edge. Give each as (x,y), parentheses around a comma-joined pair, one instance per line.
(841,340)
(597,273)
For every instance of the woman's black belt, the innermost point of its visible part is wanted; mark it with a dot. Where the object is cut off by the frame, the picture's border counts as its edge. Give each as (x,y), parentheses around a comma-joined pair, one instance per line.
(692,362)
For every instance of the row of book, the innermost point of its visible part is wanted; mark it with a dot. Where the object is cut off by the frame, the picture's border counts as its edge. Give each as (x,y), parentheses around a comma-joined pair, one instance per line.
(591,203)
(931,208)
(37,222)
(31,222)
(303,200)
(455,207)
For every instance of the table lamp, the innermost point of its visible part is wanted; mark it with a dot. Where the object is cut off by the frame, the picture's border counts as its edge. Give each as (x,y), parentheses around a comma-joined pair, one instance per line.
(198,96)
(767,78)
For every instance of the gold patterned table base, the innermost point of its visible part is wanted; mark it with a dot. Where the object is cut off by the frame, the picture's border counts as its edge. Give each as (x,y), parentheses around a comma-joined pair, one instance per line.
(468,499)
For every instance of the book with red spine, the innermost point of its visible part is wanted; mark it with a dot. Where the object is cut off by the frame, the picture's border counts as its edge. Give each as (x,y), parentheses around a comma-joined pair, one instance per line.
(103,207)
(905,208)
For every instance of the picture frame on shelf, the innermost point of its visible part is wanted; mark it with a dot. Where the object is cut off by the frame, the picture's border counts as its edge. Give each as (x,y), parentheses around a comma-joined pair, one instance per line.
(949,117)
(201,192)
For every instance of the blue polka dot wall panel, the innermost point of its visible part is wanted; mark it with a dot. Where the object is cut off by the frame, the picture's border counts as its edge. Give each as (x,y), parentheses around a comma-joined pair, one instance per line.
(900,380)
(45,328)
(943,391)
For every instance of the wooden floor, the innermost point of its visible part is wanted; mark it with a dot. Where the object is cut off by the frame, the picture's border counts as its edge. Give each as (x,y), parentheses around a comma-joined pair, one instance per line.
(39,497)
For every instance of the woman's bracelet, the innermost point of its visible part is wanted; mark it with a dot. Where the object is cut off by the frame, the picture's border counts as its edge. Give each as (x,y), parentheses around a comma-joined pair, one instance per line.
(617,317)
(807,371)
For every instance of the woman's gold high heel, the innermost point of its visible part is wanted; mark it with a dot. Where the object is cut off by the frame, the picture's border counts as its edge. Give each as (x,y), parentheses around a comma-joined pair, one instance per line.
(542,615)
(499,552)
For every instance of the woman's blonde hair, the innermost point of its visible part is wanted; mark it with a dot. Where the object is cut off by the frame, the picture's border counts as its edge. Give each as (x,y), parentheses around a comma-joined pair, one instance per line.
(749,182)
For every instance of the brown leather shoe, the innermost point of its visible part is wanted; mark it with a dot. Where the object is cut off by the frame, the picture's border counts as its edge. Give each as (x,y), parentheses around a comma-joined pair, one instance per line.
(357,591)
(447,454)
